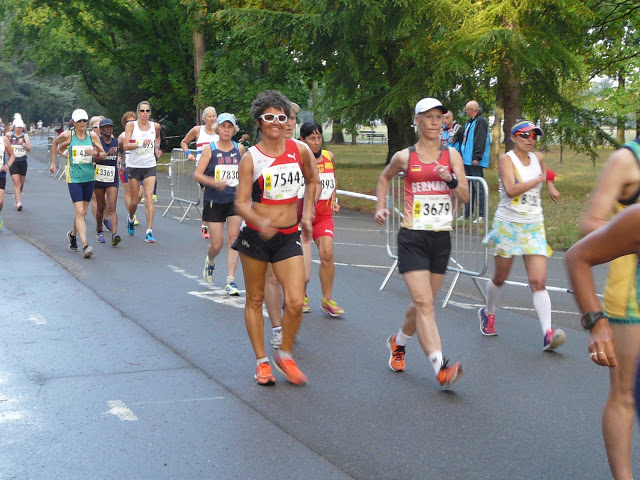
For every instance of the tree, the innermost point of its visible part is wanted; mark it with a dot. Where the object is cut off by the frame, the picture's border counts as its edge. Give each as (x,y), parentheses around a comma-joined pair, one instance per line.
(119,65)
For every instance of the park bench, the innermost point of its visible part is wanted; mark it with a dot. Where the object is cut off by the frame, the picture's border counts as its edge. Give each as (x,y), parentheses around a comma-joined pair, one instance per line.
(371,135)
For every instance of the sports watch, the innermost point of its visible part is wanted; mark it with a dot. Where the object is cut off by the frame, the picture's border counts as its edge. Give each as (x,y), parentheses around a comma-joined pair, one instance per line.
(590,319)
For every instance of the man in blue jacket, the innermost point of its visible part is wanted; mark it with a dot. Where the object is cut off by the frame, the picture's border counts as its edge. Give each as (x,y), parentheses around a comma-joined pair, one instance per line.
(475,152)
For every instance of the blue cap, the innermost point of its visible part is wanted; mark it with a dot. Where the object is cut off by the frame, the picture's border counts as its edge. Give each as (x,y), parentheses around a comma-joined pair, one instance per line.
(525,126)
(226,117)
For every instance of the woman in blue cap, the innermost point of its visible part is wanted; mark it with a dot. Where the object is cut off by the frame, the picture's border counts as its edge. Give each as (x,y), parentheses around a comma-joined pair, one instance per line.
(518,230)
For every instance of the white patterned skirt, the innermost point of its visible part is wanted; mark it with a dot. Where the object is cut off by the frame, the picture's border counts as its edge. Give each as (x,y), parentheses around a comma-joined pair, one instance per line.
(510,239)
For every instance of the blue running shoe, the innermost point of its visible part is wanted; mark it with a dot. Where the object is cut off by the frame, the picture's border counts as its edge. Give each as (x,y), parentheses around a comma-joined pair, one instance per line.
(107,223)
(232,289)
(487,323)
(131,228)
(100,237)
(149,238)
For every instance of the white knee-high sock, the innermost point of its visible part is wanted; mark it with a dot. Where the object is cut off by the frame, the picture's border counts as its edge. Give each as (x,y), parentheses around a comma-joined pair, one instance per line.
(542,304)
(493,295)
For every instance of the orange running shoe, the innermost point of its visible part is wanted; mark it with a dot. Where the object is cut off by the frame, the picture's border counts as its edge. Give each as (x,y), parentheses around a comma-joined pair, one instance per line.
(396,355)
(289,368)
(263,374)
(449,374)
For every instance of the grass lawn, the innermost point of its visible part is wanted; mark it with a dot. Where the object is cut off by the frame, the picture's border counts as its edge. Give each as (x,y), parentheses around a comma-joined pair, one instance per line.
(358,168)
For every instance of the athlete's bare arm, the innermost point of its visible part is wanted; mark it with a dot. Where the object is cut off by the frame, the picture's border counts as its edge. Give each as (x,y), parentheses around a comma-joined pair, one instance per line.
(399,163)
(191,136)
(619,180)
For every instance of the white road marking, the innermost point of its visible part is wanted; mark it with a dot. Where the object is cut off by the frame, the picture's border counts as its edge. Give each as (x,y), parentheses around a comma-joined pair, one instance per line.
(359,245)
(215,294)
(157,402)
(10,417)
(37,319)
(355,265)
(473,306)
(120,410)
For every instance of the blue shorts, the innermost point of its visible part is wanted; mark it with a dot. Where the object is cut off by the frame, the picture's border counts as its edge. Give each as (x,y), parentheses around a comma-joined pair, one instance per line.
(81,192)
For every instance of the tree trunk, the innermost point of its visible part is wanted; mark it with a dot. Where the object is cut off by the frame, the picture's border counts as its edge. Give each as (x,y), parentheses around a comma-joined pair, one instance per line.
(199,50)
(637,124)
(510,91)
(353,138)
(337,136)
(622,120)
(400,132)
(495,136)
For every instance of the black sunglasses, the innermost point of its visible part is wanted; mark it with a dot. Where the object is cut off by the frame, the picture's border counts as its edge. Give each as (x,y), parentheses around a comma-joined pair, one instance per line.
(146,111)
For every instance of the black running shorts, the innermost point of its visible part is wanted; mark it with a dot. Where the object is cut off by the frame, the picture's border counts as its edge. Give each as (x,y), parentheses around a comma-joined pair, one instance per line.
(19,168)
(279,247)
(423,250)
(217,212)
(141,173)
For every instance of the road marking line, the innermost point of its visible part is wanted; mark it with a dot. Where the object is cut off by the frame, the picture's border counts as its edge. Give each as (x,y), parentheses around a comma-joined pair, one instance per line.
(120,410)
(473,306)
(158,402)
(10,416)
(359,245)
(37,319)
(355,265)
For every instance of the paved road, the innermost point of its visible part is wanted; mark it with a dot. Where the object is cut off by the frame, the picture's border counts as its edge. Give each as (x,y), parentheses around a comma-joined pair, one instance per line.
(128,366)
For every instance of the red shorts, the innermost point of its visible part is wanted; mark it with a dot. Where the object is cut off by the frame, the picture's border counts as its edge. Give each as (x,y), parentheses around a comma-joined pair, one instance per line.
(323,226)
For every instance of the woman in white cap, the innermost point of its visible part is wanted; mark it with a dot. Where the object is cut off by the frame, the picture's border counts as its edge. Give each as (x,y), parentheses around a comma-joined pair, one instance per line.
(217,170)
(21,144)
(434,176)
(518,230)
(203,135)
(82,146)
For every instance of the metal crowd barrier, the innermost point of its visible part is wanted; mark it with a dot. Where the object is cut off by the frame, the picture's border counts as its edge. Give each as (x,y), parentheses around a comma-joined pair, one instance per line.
(184,189)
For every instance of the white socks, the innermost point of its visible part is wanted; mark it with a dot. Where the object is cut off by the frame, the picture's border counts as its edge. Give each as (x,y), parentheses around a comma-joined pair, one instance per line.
(542,304)
(436,360)
(401,338)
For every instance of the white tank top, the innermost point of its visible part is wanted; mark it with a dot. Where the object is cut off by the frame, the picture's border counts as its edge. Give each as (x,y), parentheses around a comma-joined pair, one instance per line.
(143,157)
(204,139)
(526,207)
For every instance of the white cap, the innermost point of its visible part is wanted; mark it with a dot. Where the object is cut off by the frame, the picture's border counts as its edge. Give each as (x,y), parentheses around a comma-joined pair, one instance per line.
(427,104)
(17,115)
(79,114)
(295,108)
(18,123)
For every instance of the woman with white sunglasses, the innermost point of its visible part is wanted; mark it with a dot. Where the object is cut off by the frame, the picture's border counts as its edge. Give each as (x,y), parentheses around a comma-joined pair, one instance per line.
(270,175)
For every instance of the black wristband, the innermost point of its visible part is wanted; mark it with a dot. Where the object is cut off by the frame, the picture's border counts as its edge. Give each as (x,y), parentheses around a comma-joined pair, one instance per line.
(453,183)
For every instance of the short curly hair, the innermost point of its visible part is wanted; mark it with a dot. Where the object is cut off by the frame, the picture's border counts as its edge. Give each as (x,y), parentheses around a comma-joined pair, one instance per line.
(270,98)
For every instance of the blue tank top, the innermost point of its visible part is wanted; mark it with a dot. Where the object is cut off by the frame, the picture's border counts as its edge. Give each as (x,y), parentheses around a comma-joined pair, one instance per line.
(17,148)
(222,166)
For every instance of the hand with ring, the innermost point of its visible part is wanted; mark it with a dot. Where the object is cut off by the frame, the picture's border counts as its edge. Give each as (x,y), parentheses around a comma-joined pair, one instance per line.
(602,346)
